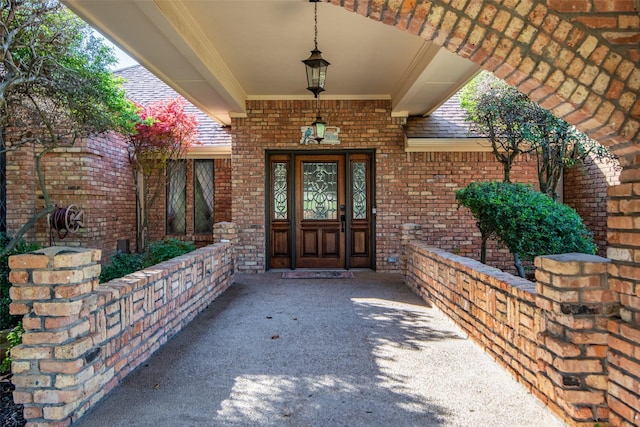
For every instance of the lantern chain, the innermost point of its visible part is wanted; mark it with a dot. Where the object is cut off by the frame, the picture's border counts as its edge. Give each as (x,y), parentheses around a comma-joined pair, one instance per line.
(315,24)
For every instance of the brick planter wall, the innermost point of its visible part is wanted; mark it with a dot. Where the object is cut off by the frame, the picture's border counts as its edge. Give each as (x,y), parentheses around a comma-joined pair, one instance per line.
(81,338)
(575,303)
(561,338)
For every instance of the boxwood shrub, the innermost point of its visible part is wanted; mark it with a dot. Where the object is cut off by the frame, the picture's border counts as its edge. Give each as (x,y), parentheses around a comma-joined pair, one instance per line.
(529,223)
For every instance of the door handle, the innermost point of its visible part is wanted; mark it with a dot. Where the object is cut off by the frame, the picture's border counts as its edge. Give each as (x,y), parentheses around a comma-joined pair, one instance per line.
(343,221)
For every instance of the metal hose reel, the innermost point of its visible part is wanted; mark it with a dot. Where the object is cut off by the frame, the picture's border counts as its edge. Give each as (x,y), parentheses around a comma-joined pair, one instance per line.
(66,220)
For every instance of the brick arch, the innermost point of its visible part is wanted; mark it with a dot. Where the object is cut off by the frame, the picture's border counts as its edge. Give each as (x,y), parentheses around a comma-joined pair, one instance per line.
(577,58)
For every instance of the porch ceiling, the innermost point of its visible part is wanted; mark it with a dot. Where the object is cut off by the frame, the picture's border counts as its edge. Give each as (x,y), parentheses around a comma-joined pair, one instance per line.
(221,53)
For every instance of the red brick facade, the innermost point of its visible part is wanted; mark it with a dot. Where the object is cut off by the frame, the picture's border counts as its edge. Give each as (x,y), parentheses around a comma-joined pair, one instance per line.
(95,176)
(577,58)
(409,187)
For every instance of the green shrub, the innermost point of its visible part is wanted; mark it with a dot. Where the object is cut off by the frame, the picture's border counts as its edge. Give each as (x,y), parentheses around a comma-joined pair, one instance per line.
(167,249)
(14,338)
(528,222)
(6,320)
(122,264)
(533,224)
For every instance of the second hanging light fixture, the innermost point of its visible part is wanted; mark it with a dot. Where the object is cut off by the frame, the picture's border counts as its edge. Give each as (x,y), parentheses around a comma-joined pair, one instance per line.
(316,67)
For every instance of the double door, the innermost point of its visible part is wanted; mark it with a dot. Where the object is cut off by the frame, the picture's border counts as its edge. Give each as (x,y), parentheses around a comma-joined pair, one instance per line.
(320,210)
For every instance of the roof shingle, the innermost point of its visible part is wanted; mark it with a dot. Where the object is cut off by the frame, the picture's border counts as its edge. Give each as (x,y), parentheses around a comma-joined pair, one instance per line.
(448,121)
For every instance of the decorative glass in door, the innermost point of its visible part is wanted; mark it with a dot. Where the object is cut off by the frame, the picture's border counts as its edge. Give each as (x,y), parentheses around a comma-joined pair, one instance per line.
(320,190)
(320,210)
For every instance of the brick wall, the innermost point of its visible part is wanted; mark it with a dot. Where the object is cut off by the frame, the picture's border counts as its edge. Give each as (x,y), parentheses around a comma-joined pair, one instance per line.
(93,174)
(585,190)
(22,184)
(497,310)
(81,339)
(222,201)
(410,187)
(562,338)
(624,278)
(575,302)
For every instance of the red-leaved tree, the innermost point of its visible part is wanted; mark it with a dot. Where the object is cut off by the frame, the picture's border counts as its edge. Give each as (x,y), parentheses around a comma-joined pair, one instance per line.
(163,135)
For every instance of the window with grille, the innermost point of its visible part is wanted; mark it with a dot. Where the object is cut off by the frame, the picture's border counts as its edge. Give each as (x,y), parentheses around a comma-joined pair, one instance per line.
(177,197)
(203,196)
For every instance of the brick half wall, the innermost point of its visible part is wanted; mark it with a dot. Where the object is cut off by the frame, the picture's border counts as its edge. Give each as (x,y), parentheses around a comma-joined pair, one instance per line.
(82,338)
(562,337)
(497,310)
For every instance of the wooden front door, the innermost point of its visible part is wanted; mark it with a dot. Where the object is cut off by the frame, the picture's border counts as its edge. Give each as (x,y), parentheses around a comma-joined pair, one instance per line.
(320,211)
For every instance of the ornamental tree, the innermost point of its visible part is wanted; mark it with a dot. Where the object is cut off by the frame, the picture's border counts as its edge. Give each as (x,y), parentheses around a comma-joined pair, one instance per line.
(515,125)
(162,136)
(559,145)
(502,114)
(55,85)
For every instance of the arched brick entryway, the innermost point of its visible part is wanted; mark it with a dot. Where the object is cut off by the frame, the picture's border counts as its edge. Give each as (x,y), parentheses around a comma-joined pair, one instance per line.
(579,59)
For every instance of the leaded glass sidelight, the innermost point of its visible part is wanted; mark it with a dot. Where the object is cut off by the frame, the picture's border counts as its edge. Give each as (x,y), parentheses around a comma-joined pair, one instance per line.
(203,196)
(280,191)
(320,187)
(359,190)
(177,197)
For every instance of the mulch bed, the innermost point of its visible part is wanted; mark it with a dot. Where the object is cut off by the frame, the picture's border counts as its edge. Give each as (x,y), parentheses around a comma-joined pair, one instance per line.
(10,413)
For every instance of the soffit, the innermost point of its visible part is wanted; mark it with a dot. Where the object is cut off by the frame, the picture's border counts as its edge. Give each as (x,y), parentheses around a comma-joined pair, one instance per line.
(221,53)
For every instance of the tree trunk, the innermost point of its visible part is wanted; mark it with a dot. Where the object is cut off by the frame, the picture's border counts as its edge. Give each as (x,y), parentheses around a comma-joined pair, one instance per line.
(483,249)
(519,266)
(141,213)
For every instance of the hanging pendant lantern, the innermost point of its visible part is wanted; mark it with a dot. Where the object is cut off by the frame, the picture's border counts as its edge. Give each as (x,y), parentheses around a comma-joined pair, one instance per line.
(319,127)
(315,64)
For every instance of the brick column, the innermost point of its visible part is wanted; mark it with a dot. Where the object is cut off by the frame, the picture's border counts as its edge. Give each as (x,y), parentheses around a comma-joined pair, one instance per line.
(573,294)
(225,231)
(51,289)
(623,220)
(408,234)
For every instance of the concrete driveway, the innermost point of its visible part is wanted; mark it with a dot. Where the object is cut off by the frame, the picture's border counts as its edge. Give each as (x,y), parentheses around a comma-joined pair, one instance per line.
(320,352)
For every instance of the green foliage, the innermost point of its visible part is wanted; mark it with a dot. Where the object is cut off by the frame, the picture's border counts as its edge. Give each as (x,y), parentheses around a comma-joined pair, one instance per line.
(514,124)
(528,222)
(483,201)
(14,338)
(55,85)
(559,145)
(122,264)
(6,320)
(167,249)
(502,114)
(59,70)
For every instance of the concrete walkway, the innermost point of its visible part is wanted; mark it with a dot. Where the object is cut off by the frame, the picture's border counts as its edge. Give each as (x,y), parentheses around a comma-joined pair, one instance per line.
(341,352)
